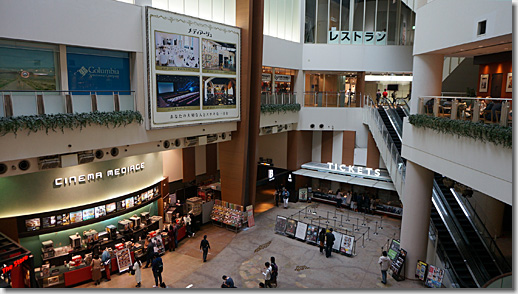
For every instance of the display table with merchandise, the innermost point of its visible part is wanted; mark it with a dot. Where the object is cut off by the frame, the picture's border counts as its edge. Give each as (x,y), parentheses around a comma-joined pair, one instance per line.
(228,214)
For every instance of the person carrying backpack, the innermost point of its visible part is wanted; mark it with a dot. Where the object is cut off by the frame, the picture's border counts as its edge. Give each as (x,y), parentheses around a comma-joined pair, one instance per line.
(275,271)
(158,267)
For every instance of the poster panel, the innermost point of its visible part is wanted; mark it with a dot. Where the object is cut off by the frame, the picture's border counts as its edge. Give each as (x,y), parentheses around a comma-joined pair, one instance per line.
(291,227)
(312,234)
(347,245)
(280,224)
(420,271)
(303,194)
(193,70)
(301,231)
(338,240)
(434,277)
(393,250)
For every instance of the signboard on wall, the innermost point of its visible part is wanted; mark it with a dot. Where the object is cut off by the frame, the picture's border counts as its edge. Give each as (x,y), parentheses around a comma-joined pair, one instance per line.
(193,70)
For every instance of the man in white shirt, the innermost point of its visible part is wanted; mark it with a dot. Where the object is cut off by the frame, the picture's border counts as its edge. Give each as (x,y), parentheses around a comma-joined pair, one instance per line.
(268,275)
(384,263)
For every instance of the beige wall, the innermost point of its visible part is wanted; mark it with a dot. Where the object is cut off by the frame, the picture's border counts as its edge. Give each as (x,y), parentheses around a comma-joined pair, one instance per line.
(172,164)
(35,192)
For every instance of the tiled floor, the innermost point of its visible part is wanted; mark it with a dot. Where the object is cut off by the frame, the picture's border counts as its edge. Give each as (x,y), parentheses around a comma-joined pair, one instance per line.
(242,257)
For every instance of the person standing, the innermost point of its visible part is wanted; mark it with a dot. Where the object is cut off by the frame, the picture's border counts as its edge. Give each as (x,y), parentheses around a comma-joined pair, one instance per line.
(285,197)
(227,282)
(172,241)
(338,199)
(321,240)
(275,271)
(384,263)
(138,276)
(150,252)
(276,195)
(330,240)
(378,96)
(205,246)
(96,269)
(268,275)
(385,95)
(106,259)
(157,266)
(187,221)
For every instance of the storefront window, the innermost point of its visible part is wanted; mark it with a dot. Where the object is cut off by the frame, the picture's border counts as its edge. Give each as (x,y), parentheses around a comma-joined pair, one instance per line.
(358,15)
(406,26)
(392,23)
(322,12)
(28,66)
(381,20)
(309,31)
(334,15)
(344,20)
(370,14)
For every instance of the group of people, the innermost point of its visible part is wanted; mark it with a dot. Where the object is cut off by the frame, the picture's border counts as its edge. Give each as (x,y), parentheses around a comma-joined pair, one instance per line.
(383,97)
(284,194)
(355,201)
(326,240)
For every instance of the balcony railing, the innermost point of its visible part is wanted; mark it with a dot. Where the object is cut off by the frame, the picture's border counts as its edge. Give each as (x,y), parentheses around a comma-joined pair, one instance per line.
(16,103)
(468,108)
(331,99)
(278,98)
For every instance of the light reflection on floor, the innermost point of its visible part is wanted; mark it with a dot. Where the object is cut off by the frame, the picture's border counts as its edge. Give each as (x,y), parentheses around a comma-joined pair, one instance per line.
(264,199)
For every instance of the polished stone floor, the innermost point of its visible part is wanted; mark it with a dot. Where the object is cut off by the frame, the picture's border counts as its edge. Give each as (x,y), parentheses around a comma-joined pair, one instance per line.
(242,256)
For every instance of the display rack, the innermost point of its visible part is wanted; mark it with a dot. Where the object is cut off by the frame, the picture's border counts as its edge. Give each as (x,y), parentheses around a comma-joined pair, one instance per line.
(123,259)
(228,214)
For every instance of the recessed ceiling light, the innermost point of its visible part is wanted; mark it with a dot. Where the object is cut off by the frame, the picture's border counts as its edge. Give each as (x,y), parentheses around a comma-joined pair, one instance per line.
(461,49)
(480,46)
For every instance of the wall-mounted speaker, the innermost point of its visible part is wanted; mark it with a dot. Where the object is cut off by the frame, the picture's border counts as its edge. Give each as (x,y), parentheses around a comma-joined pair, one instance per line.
(312,126)
(321,126)
(3,168)
(99,154)
(114,151)
(177,143)
(223,136)
(167,144)
(24,165)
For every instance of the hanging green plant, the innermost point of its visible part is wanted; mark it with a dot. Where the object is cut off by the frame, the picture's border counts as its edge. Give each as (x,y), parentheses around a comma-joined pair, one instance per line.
(494,133)
(273,108)
(62,121)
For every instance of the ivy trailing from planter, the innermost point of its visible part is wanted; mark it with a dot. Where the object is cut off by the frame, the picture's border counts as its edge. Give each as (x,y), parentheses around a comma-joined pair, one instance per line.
(62,121)
(494,133)
(272,108)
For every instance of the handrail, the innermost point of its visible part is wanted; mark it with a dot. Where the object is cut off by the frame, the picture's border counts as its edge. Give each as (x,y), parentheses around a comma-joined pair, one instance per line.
(500,278)
(466,98)
(441,252)
(395,120)
(481,230)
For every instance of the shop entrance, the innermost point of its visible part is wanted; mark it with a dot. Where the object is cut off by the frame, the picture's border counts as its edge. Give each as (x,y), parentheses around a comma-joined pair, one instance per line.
(268,180)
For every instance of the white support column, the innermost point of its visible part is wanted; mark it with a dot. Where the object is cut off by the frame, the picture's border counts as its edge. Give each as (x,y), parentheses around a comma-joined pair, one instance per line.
(417,202)
(427,79)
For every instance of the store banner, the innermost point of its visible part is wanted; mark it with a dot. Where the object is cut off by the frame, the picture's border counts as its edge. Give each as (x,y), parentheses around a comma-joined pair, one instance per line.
(283,78)
(89,72)
(266,77)
(194,70)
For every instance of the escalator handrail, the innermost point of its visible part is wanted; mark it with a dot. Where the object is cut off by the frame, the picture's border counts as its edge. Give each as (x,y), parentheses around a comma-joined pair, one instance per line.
(382,128)
(472,215)
(459,242)
(395,121)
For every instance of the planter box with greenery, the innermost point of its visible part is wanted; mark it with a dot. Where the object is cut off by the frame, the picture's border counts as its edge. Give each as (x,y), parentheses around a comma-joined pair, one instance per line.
(494,133)
(62,121)
(273,108)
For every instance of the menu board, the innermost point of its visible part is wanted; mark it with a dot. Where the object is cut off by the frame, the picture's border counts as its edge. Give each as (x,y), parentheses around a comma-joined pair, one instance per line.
(397,263)
(194,70)
(32,224)
(291,227)
(393,250)
(48,222)
(434,277)
(100,211)
(110,207)
(123,259)
(347,245)
(121,205)
(280,225)
(420,271)
(301,231)
(88,214)
(76,217)
(338,240)
(129,202)
(312,234)
(63,219)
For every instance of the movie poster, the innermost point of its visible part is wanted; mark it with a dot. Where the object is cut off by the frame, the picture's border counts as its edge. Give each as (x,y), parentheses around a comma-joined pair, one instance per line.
(434,277)
(291,227)
(301,231)
(347,245)
(312,234)
(280,224)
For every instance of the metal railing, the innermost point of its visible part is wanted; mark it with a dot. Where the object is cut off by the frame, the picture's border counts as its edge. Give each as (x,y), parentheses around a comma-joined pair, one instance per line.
(16,103)
(453,277)
(332,99)
(278,98)
(468,108)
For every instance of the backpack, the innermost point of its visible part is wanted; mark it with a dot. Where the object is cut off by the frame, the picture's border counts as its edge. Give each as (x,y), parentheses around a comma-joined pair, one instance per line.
(275,270)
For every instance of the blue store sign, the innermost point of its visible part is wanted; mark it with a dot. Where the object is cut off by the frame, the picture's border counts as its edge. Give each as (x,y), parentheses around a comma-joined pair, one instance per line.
(100,71)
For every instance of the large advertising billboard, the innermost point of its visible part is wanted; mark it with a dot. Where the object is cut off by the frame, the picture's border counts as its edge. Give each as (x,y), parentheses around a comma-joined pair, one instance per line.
(193,70)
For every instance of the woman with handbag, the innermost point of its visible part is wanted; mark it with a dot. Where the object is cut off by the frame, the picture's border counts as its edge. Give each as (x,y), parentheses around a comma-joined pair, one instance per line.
(321,240)
(96,269)
(136,268)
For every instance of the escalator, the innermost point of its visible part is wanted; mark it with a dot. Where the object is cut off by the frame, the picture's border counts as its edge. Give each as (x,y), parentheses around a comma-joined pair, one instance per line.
(482,265)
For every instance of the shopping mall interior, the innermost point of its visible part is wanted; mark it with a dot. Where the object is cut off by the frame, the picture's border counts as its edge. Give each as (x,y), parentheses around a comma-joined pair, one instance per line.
(361,144)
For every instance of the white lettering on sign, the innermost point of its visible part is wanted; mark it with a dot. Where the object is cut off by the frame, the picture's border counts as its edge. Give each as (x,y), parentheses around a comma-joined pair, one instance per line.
(354,169)
(92,177)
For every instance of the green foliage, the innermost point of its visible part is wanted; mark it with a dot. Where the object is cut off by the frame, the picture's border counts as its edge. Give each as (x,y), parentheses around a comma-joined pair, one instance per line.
(494,133)
(62,121)
(272,108)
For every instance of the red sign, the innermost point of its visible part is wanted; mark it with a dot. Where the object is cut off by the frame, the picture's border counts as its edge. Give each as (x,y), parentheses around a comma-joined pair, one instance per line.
(15,264)
(250,212)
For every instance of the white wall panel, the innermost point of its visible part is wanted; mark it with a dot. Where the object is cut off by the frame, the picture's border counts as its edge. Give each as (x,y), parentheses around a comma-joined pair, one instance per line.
(191,8)
(200,159)
(205,9)
(176,6)
(172,164)
(230,12)
(218,10)
(338,140)
(281,53)
(316,150)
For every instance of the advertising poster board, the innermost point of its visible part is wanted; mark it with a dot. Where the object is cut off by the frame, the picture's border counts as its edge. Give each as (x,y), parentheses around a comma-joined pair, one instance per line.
(434,277)
(291,227)
(303,194)
(397,264)
(338,241)
(312,234)
(280,225)
(123,259)
(193,70)
(420,271)
(301,231)
(347,245)
(250,215)
(393,250)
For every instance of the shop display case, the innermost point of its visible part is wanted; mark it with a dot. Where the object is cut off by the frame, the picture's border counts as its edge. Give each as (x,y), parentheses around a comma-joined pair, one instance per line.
(144,217)
(112,231)
(124,225)
(194,205)
(228,215)
(75,241)
(136,221)
(90,236)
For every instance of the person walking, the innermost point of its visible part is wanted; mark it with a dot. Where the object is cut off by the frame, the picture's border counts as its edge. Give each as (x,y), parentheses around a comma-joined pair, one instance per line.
(157,267)
(205,246)
(150,253)
(187,221)
(275,271)
(321,240)
(138,275)
(378,97)
(106,259)
(285,197)
(96,269)
(338,199)
(330,240)
(227,282)
(268,275)
(276,195)
(384,263)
